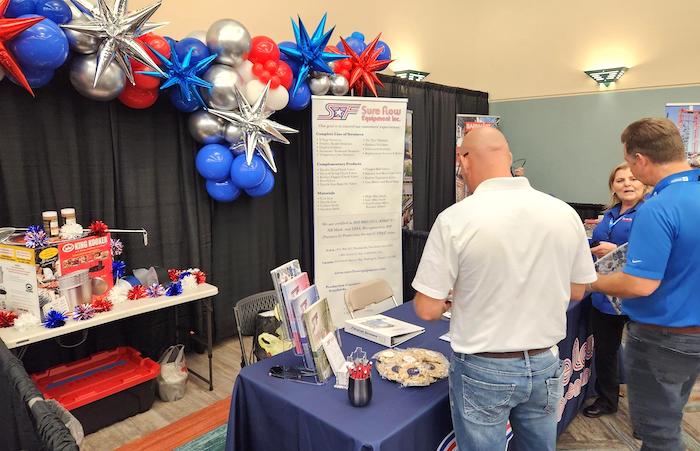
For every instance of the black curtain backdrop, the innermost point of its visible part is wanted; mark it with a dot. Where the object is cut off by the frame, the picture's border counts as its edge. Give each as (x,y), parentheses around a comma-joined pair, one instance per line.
(135,169)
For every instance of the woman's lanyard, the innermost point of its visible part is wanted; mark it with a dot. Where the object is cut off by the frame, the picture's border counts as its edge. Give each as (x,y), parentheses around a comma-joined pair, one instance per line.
(612,223)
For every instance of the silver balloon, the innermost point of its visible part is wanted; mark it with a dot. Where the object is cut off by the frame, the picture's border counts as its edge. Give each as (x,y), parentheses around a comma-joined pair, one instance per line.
(230,40)
(80,42)
(238,148)
(233,133)
(82,76)
(320,85)
(199,34)
(206,128)
(221,96)
(339,85)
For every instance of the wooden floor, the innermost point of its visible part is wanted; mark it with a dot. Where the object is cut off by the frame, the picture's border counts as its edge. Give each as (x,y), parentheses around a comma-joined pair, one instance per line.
(227,358)
(608,433)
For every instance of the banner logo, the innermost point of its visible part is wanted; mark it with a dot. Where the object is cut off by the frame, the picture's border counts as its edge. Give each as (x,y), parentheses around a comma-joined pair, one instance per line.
(580,361)
(339,111)
(449,443)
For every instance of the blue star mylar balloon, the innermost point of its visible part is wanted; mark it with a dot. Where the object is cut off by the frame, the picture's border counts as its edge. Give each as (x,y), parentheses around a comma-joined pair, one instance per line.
(309,52)
(183,73)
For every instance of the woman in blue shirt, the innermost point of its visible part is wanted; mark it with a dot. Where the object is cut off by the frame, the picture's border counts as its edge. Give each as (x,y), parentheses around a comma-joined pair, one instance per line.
(607,325)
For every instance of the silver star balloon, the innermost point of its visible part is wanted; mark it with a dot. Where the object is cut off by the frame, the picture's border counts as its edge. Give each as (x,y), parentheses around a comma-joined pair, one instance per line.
(118,30)
(257,129)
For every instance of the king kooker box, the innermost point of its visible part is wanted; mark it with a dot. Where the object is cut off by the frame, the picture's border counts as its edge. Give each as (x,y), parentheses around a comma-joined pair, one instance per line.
(31,276)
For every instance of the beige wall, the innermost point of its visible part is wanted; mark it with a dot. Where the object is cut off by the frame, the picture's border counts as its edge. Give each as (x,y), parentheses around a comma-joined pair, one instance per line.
(510,48)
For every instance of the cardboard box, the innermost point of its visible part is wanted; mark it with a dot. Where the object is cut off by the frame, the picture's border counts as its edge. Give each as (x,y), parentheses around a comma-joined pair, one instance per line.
(30,277)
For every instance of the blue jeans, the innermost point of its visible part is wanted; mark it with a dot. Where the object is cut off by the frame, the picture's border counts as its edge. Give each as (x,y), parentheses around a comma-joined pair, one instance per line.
(486,392)
(661,370)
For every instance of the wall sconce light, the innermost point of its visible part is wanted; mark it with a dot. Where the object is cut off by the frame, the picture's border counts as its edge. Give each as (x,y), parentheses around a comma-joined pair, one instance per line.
(606,76)
(410,74)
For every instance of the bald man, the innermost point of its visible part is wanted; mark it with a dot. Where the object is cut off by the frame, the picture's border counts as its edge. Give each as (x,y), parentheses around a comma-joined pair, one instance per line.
(513,257)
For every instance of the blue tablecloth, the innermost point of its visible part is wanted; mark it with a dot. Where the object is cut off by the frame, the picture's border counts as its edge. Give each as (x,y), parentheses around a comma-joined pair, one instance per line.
(273,414)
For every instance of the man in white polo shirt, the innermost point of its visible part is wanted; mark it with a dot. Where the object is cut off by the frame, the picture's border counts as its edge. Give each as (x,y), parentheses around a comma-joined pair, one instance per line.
(514,257)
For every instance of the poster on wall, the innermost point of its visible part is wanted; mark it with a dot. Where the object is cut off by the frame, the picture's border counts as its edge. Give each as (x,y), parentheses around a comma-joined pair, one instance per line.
(358,160)
(466,122)
(686,116)
(407,209)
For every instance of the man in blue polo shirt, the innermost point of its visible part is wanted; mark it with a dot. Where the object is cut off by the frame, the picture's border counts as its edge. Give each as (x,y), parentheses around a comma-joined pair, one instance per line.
(660,284)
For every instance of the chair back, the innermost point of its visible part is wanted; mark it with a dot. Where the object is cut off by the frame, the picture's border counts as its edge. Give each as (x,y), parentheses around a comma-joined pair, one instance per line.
(247,309)
(368,293)
(245,312)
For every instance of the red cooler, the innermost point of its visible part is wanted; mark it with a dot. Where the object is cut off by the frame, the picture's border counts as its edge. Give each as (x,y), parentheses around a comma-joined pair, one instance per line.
(103,389)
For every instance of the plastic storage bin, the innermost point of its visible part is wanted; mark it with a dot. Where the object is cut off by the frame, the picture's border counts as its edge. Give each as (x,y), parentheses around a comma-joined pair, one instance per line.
(104,388)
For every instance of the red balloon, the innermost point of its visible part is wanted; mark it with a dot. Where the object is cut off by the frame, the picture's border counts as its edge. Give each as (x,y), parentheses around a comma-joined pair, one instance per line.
(264,77)
(271,66)
(285,74)
(274,82)
(144,81)
(136,98)
(158,43)
(346,74)
(263,49)
(258,69)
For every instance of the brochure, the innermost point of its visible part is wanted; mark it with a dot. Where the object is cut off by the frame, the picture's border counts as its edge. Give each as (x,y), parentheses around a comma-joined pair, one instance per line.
(610,263)
(318,324)
(280,275)
(300,303)
(290,290)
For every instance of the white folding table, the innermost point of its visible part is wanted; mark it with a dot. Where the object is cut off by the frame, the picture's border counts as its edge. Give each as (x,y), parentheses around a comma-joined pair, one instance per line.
(18,340)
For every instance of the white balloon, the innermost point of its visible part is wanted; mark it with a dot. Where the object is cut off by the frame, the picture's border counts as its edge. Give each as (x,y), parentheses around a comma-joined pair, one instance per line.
(277,98)
(199,34)
(253,89)
(245,71)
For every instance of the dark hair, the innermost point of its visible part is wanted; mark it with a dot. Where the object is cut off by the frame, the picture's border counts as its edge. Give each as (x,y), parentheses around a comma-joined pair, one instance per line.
(656,138)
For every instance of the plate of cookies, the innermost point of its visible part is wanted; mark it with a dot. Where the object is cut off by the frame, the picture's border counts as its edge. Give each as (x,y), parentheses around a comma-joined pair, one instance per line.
(412,367)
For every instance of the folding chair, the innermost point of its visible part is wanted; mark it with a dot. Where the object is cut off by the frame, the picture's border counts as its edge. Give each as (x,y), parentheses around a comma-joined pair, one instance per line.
(368,293)
(245,312)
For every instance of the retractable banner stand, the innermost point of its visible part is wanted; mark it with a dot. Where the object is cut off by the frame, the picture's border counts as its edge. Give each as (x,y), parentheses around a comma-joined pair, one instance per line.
(686,116)
(466,123)
(358,158)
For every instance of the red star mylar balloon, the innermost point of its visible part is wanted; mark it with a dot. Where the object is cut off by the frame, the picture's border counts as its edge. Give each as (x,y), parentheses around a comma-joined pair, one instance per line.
(9,28)
(364,67)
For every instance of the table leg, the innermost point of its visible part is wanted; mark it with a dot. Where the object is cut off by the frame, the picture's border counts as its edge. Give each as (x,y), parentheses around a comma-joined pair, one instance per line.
(177,327)
(209,307)
(20,351)
(208,310)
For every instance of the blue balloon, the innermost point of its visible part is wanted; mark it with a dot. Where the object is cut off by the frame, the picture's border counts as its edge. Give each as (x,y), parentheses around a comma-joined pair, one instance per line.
(357,45)
(385,55)
(293,64)
(199,50)
(37,78)
(54,10)
(43,46)
(358,35)
(20,7)
(265,187)
(213,162)
(182,103)
(225,191)
(247,176)
(301,98)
